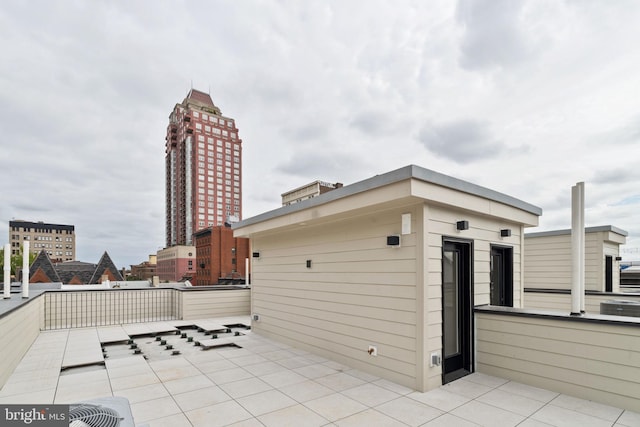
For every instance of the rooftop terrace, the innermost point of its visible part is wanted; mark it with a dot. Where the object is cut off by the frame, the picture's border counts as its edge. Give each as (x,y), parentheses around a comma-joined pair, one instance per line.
(188,357)
(261,382)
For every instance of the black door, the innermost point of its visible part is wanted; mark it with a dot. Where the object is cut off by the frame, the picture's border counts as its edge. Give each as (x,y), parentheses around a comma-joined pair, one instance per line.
(501,272)
(457,310)
(608,273)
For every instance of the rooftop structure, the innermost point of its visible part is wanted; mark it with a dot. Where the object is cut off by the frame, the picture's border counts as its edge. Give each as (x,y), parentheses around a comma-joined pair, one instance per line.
(308,191)
(547,270)
(395,248)
(203,168)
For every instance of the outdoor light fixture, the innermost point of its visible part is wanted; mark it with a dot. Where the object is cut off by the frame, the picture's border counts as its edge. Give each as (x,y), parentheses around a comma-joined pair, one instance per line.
(505,232)
(618,258)
(308,263)
(256,254)
(393,240)
(462,225)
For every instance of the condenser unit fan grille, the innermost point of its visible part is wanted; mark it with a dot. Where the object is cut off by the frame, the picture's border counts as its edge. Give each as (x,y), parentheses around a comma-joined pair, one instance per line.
(87,415)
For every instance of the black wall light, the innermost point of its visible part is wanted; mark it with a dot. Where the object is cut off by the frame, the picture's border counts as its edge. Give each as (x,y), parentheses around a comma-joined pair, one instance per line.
(505,232)
(618,258)
(308,263)
(462,225)
(393,240)
(256,254)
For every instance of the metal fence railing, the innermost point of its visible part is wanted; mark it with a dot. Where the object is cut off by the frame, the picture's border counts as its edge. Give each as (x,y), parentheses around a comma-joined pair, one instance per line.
(78,309)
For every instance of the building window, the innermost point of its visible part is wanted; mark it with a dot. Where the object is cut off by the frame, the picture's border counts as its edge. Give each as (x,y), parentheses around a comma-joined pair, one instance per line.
(501,276)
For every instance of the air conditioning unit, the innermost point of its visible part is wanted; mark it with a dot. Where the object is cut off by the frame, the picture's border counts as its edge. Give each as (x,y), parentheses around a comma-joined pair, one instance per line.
(102,412)
(620,308)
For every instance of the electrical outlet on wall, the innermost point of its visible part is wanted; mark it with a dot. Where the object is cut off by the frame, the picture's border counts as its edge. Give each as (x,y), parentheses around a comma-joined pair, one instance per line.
(435,360)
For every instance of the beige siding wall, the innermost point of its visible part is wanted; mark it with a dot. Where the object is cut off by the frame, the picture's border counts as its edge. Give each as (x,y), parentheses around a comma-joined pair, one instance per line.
(215,303)
(594,361)
(358,291)
(484,232)
(18,330)
(562,302)
(548,261)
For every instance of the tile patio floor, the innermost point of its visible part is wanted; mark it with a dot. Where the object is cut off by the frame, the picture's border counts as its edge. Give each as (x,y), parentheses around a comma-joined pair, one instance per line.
(266,383)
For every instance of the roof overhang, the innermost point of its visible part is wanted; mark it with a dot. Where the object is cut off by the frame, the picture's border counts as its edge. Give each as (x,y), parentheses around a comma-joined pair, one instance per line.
(410,185)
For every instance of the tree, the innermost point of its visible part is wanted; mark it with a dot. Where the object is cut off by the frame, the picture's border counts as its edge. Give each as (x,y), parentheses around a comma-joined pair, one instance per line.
(16,263)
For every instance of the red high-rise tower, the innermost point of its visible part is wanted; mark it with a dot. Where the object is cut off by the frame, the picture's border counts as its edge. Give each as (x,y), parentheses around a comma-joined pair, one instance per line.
(203,169)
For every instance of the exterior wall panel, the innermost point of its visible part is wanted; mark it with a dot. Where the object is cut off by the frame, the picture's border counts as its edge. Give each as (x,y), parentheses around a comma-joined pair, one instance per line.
(357,292)
(562,301)
(548,258)
(18,330)
(597,361)
(215,303)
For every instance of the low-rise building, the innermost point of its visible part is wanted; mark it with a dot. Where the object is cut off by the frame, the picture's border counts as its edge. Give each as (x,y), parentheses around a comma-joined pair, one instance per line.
(146,269)
(43,270)
(58,240)
(220,257)
(308,191)
(176,263)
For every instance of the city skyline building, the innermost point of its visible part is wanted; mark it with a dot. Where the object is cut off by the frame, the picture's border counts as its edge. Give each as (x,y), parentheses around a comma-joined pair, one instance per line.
(308,191)
(221,258)
(203,156)
(57,240)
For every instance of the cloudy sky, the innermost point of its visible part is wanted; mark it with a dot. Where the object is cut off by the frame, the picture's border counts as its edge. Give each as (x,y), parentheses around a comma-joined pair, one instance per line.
(524,97)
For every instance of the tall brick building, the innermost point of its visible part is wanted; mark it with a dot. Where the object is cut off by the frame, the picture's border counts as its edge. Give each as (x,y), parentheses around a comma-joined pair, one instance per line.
(203,169)
(220,257)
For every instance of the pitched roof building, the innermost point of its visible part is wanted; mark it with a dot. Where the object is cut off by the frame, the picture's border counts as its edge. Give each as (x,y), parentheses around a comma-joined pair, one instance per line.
(43,270)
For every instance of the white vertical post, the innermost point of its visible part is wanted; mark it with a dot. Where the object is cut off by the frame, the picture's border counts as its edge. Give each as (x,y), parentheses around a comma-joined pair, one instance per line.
(7,271)
(582,247)
(575,256)
(246,271)
(25,269)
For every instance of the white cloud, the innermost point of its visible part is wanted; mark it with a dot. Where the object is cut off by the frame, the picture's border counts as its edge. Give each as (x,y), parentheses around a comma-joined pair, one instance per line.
(526,97)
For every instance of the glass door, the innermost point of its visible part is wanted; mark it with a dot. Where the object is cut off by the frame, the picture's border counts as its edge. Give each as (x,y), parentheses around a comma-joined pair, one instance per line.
(457,310)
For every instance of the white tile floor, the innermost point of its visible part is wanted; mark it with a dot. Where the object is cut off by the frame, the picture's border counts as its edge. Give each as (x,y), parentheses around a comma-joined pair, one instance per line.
(267,383)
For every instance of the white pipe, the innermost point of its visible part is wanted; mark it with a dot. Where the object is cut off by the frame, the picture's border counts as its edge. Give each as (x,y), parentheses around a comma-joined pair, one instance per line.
(246,271)
(7,271)
(25,269)
(582,247)
(575,251)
